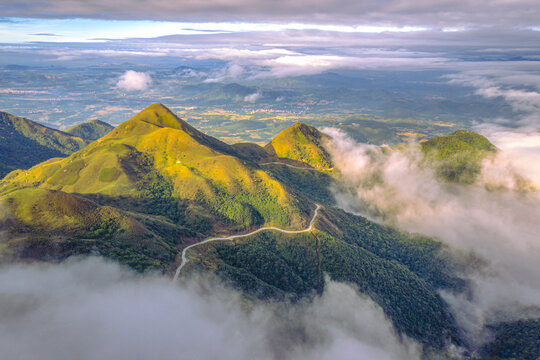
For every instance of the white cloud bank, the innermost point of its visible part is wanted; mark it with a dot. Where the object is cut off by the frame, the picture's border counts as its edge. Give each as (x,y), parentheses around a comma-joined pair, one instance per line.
(134,81)
(91,309)
(501,227)
(252,97)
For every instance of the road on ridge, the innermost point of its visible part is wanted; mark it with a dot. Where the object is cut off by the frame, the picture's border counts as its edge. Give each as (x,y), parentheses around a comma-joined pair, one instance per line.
(232,237)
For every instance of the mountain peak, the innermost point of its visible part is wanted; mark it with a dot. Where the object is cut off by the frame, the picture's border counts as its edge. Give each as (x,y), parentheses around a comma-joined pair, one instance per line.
(24,143)
(91,130)
(157,117)
(301,142)
(151,118)
(458,157)
(160,115)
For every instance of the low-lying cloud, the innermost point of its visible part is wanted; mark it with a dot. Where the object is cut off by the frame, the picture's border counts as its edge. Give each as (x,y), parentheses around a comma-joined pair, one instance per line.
(279,63)
(500,227)
(518,86)
(134,81)
(252,97)
(92,309)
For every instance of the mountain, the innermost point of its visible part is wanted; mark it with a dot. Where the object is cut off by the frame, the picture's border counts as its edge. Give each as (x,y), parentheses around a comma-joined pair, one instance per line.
(458,156)
(156,145)
(24,143)
(303,143)
(91,130)
(514,340)
(227,93)
(155,185)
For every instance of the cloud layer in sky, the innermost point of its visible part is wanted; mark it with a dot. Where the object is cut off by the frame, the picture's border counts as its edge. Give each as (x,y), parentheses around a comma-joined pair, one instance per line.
(388,12)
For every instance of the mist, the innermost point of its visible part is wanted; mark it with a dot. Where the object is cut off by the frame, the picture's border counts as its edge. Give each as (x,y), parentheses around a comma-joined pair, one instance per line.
(495,219)
(94,309)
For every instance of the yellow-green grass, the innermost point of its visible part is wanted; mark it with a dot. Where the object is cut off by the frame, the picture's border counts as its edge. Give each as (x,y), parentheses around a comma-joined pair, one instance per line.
(53,210)
(303,143)
(200,168)
(458,156)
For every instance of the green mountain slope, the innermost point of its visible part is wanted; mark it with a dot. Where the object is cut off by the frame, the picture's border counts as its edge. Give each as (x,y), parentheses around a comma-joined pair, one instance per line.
(24,143)
(91,130)
(398,271)
(303,143)
(53,225)
(458,156)
(156,144)
(514,340)
(155,185)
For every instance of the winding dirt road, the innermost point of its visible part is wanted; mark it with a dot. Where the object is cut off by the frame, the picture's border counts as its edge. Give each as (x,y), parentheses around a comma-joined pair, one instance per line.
(289,165)
(232,237)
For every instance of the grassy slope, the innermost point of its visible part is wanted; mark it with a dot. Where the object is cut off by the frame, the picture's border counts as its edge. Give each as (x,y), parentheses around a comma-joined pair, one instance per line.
(155,182)
(91,130)
(52,225)
(303,143)
(24,143)
(458,156)
(156,144)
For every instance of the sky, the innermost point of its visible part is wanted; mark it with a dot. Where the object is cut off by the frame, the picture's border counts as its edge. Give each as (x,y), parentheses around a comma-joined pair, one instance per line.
(326,28)
(78,20)
(489,45)
(520,13)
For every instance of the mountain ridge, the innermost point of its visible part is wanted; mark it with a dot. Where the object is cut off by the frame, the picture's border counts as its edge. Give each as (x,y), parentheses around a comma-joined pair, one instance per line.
(25,143)
(155,185)
(91,130)
(303,143)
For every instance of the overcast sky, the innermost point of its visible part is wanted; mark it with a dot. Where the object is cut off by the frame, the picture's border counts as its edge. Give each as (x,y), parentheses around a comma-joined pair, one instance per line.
(491,45)
(71,19)
(521,13)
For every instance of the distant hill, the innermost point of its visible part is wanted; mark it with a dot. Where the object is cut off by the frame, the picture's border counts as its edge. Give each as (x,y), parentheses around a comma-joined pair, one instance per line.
(228,92)
(458,156)
(24,143)
(303,143)
(155,184)
(234,92)
(91,130)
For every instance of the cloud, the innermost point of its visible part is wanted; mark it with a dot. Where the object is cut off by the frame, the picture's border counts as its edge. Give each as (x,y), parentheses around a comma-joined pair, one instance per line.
(305,64)
(230,72)
(45,34)
(91,309)
(21,92)
(134,81)
(279,63)
(252,98)
(449,14)
(499,226)
(521,152)
(518,86)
